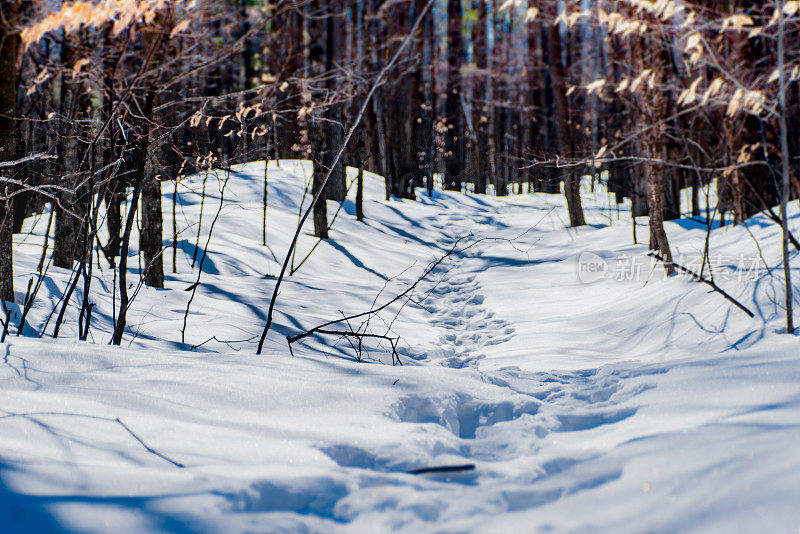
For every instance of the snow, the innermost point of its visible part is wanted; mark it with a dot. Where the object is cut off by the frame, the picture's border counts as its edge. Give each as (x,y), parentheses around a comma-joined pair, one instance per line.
(629,404)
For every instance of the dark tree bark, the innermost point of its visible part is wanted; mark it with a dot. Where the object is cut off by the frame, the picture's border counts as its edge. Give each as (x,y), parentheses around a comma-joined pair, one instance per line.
(379,111)
(151,236)
(654,106)
(66,235)
(360,194)
(481,99)
(423,126)
(501,128)
(333,125)
(320,208)
(10,50)
(319,137)
(672,187)
(453,155)
(112,188)
(67,227)
(655,179)
(550,181)
(155,153)
(150,194)
(124,300)
(695,199)
(562,126)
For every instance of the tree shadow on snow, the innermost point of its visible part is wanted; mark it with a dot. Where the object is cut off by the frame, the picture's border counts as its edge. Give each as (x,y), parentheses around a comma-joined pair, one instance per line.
(31,514)
(24,513)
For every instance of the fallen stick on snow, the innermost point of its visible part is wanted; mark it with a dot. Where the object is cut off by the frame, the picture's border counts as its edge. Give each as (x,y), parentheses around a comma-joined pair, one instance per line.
(443,469)
(347,334)
(711,284)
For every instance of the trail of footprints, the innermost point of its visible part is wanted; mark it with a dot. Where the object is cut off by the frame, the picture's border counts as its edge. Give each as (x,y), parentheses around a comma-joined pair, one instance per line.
(458,427)
(469,326)
(457,304)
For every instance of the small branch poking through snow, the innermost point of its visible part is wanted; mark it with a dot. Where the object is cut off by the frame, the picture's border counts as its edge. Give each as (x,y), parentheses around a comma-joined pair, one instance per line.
(321,329)
(407,296)
(443,469)
(711,284)
(7,315)
(193,287)
(348,334)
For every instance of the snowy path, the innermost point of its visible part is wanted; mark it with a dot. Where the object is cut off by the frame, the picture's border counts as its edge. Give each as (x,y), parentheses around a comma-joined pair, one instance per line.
(617,406)
(456,302)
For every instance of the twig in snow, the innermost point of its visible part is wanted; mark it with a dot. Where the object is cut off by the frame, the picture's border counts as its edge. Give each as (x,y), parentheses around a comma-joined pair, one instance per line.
(710,283)
(321,329)
(73,274)
(194,286)
(443,469)
(7,321)
(41,270)
(758,246)
(228,342)
(200,220)
(358,336)
(774,217)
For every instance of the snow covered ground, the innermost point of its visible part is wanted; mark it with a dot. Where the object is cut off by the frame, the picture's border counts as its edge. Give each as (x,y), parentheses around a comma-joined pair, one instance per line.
(589,392)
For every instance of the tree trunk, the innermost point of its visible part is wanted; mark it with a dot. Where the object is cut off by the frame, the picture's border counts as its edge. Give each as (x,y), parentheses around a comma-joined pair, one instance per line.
(696,198)
(453,156)
(151,235)
(121,319)
(379,109)
(334,133)
(672,188)
(423,127)
(481,124)
(360,194)
(10,50)
(113,188)
(562,127)
(318,59)
(652,121)
(655,179)
(334,139)
(785,191)
(321,207)
(67,227)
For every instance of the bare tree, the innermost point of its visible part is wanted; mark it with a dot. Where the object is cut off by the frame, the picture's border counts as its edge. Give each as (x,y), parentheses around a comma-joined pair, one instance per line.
(10,52)
(785,191)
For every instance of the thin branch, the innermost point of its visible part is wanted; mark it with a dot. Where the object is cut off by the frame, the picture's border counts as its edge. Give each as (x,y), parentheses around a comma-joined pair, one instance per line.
(26,159)
(453,250)
(711,284)
(442,469)
(193,287)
